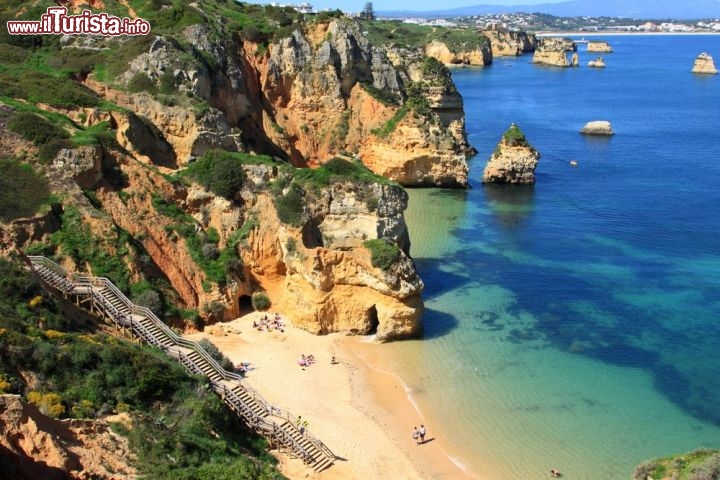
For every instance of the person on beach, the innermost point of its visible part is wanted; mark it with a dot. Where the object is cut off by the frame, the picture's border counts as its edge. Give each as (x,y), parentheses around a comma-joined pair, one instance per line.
(416,436)
(421,432)
(555,473)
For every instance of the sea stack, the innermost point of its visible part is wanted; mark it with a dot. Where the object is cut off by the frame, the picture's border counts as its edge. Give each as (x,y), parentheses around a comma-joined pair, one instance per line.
(597,127)
(552,52)
(599,46)
(704,64)
(597,63)
(513,161)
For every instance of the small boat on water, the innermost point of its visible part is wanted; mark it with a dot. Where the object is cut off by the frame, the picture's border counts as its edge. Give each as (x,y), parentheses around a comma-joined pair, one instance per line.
(573,163)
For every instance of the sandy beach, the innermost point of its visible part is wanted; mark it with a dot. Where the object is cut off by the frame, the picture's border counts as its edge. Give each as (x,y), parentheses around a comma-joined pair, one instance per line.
(358,409)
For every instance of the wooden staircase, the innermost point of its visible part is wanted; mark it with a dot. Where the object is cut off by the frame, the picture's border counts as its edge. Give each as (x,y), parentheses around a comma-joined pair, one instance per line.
(99,296)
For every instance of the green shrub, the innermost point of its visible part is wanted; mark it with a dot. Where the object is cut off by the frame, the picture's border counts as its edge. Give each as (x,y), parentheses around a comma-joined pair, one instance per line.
(22,191)
(210,251)
(514,136)
(49,151)
(11,54)
(216,354)
(431,66)
(141,82)
(151,300)
(382,253)
(260,301)
(291,245)
(218,171)
(290,206)
(35,128)
(167,82)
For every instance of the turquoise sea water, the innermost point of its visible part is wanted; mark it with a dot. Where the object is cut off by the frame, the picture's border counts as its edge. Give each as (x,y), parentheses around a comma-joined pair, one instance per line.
(576,324)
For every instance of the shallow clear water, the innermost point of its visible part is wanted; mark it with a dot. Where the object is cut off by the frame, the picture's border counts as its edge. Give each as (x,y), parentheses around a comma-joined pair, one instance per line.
(576,324)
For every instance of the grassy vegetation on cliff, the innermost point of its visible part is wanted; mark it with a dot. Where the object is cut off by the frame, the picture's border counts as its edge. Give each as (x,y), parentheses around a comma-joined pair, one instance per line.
(219,265)
(388,127)
(181,429)
(22,191)
(698,465)
(383,254)
(218,171)
(398,34)
(105,256)
(513,136)
(295,184)
(338,170)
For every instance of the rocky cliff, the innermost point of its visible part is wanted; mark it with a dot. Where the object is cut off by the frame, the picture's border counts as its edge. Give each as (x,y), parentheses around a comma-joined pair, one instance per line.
(321,90)
(316,266)
(509,43)
(147,110)
(330,90)
(704,64)
(480,56)
(33,446)
(514,160)
(552,58)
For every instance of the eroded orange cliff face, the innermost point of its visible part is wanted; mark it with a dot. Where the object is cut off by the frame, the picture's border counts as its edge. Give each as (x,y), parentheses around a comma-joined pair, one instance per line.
(35,446)
(326,90)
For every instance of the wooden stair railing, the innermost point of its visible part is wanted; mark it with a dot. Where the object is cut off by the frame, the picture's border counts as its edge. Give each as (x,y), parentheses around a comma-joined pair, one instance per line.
(273,423)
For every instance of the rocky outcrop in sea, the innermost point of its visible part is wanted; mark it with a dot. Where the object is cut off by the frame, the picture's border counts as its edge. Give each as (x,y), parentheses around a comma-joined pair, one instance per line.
(704,64)
(553,52)
(599,46)
(597,63)
(597,127)
(514,160)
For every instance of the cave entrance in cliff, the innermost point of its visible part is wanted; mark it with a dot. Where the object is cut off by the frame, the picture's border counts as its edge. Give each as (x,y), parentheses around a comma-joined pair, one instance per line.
(244,305)
(372,320)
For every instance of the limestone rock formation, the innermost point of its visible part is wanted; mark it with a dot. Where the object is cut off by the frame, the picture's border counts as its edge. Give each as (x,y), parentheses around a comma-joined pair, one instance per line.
(575,61)
(479,56)
(557,43)
(597,127)
(704,64)
(599,46)
(327,89)
(514,161)
(552,52)
(509,43)
(597,63)
(33,446)
(321,90)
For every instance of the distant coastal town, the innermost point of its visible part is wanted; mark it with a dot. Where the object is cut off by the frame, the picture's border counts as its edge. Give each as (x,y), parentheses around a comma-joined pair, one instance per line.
(539,22)
(535,22)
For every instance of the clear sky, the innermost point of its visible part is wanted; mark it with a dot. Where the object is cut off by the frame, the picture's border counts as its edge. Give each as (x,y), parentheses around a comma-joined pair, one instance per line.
(417,5)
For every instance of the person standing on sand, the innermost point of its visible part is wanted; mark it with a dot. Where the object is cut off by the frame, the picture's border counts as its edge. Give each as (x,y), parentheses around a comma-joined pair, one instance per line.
(421,432)
(416,436)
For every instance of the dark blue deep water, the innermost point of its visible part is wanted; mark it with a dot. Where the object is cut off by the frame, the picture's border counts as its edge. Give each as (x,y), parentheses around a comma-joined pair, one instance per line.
(586,306)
